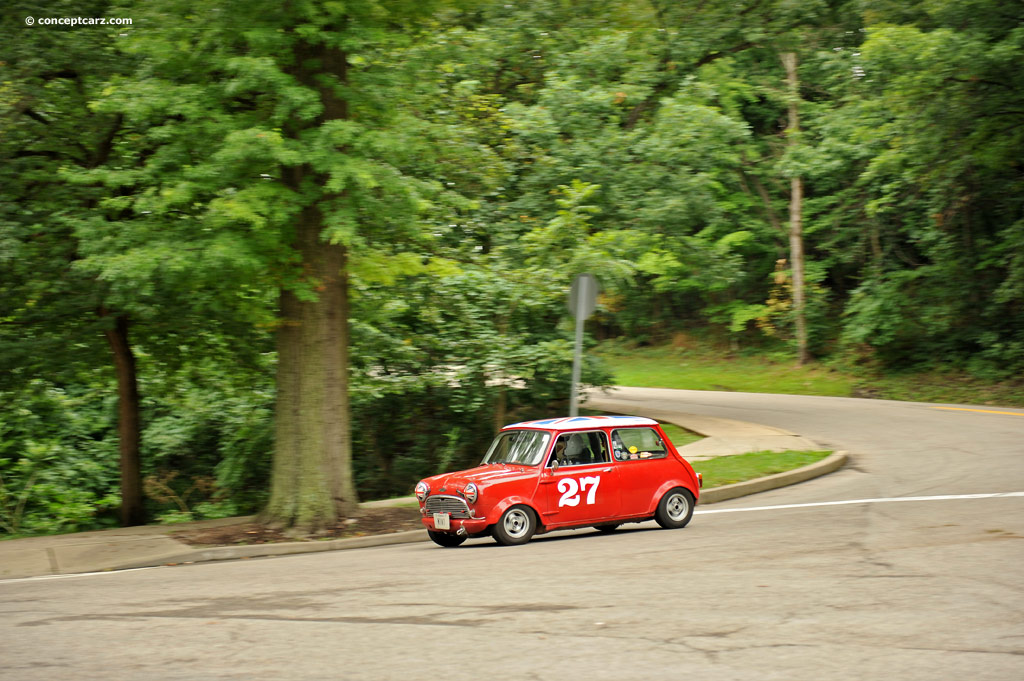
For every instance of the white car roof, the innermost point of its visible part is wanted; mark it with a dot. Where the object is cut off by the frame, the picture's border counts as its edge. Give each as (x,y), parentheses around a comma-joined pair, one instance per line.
(581,422)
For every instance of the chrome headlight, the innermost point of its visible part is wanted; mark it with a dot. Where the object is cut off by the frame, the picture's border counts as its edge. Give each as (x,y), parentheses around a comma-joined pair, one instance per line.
(471,492)
(422,490)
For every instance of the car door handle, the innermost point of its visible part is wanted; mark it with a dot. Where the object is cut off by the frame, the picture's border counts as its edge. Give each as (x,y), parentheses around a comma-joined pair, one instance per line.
(606,470)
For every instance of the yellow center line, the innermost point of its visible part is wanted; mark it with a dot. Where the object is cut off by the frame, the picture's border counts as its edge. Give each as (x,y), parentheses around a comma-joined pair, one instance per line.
(983,411)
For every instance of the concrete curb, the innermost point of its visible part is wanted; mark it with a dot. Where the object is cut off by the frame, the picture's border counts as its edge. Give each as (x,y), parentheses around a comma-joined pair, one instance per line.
(213,553)
(829,464)
(709,496)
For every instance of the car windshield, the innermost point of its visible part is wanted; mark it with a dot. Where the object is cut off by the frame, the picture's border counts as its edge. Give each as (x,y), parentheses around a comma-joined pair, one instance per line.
(525,447)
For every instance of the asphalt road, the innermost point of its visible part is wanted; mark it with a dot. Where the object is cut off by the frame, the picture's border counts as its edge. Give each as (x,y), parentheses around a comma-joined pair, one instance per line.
(913,589)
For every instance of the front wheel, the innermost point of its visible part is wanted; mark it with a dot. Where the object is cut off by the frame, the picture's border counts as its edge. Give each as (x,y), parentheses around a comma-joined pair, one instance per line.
(446,539)
(515,526)
(675,508)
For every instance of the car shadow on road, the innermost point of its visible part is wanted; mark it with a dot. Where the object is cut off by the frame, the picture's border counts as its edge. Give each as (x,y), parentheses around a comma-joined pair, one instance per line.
(561,536)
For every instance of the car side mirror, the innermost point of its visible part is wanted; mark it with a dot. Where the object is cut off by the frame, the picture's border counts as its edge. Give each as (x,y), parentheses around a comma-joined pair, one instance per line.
(554,465)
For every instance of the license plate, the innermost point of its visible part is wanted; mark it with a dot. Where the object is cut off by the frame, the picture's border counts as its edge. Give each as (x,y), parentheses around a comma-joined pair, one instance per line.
(442,521)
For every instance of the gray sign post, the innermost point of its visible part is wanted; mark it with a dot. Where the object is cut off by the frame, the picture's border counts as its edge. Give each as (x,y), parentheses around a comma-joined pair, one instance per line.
(582,303)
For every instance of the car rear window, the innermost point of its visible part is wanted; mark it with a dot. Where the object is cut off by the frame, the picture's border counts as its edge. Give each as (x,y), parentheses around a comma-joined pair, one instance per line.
(637,443)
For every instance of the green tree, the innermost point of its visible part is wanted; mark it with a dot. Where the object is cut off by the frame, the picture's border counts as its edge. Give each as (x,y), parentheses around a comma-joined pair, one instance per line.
(283,151)
(53,311)
(925,145)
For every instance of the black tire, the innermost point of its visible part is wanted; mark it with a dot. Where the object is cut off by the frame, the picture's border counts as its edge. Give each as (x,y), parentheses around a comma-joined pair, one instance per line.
(446,539)
(515,526)
(606,529)
(675,508)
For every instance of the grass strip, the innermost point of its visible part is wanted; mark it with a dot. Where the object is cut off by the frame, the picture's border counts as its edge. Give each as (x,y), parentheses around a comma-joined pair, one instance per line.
(726,470)
(702,367)
(665,367)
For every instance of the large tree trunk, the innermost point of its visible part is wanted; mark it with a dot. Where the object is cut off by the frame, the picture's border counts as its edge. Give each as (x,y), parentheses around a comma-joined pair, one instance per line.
(128,428)
(796,197)
(312,484)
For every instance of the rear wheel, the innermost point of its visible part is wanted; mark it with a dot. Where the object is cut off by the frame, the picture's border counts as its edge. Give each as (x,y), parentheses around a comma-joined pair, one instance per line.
(675,508)
(515,526)
(446,539)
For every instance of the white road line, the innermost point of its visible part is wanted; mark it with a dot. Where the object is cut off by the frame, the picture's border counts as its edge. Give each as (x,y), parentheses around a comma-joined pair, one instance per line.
(70,575)
(847,502)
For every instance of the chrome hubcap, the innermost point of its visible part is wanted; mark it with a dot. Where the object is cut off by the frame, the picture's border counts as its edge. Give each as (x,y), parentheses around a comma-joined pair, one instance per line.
(516,523)
(677,507)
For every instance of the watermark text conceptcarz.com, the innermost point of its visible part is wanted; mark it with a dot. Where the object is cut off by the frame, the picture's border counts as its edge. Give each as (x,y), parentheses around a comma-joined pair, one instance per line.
(78,21)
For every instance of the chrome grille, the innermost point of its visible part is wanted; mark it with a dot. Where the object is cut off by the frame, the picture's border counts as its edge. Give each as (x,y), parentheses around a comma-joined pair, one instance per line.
(441,503)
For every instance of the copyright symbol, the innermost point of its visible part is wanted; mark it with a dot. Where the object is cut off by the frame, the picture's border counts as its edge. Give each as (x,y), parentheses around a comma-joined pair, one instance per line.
(29,20)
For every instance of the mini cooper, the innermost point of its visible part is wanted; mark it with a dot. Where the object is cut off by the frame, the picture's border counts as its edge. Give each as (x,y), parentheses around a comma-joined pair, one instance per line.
(553,474)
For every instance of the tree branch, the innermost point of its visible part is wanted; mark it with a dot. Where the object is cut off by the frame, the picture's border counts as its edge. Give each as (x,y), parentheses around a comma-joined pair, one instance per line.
(60,73)
(106,145)
(712,56)
(28,153)
(662,88)
(984,81)
(30,113)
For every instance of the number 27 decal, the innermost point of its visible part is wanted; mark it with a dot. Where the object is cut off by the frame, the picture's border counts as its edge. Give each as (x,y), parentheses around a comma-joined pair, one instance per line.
(571,489)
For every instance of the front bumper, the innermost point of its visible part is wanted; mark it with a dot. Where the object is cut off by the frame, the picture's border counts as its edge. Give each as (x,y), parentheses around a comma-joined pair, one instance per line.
(469,525)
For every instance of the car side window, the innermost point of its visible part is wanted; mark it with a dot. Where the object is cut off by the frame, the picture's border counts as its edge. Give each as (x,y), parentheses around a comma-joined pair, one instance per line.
(637,443)
(580,449)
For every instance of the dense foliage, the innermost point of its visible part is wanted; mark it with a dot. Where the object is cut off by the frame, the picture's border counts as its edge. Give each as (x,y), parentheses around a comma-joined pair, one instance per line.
(465,159)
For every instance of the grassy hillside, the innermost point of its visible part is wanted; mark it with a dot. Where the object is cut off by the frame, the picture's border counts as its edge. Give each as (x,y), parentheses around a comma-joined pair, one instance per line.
(692,366)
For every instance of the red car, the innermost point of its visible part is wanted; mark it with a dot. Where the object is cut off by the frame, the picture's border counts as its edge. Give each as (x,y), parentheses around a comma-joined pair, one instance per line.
(538,476)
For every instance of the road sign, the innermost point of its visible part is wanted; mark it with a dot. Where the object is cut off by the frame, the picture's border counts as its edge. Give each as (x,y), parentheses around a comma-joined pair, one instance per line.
(583,296)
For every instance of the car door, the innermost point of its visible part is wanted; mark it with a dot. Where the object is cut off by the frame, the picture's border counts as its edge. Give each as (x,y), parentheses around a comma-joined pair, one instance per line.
(583,487)
(642,464)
